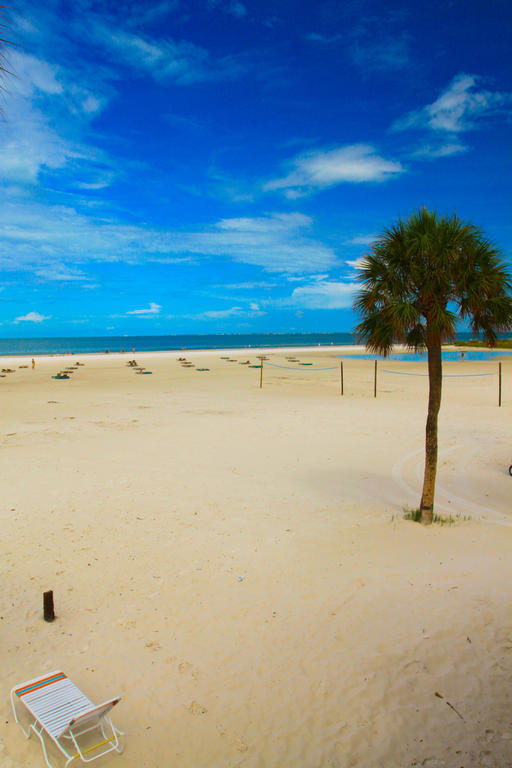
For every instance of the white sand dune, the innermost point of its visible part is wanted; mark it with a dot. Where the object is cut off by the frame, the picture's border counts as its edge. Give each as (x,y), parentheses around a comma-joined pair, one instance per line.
(233,561)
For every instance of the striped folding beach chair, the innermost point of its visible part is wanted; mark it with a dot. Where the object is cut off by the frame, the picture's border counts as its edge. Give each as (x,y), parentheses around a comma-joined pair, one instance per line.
(60,710)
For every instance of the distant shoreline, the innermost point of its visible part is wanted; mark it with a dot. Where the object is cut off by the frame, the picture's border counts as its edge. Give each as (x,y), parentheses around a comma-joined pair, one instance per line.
(193,343)
(176,353)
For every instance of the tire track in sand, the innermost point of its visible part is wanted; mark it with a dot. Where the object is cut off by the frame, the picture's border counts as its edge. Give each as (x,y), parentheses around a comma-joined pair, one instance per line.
(412,464)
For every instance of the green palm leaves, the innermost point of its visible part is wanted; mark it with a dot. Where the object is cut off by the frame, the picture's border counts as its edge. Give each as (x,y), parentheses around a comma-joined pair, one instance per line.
(425,273)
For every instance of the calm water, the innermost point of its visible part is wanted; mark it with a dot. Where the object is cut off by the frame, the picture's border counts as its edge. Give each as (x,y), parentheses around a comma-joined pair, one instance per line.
(447,354)
(50,346)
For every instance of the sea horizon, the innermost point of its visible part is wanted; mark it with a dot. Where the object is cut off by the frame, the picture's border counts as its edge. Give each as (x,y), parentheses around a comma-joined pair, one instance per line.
(55,345)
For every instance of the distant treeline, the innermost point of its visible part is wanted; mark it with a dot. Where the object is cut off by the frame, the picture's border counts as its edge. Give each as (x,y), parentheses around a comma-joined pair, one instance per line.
(500,343)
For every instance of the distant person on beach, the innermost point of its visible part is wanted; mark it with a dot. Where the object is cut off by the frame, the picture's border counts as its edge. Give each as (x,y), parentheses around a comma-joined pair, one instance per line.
(33,363)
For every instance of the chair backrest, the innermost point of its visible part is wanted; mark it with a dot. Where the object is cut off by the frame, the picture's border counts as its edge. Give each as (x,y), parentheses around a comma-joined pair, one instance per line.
(84,718)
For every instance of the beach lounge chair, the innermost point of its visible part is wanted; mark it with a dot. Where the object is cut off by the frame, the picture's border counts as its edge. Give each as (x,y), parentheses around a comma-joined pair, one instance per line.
(59,710)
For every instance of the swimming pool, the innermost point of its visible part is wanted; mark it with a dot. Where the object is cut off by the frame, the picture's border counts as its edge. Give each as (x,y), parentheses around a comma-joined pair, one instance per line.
(446,354)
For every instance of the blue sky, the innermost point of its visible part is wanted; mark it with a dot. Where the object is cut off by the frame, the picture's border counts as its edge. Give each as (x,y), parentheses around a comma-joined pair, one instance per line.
(213,166)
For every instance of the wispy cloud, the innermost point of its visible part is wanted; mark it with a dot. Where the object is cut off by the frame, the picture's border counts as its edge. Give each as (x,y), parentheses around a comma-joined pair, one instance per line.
(324,294)
(460,107)
(31,317)
(317,37)
(153,309)
(237,9)
(222,313)
(371,54)
(278,242)
(361,240)
(43,96)
(351,164)
(249,285)
(41,238)
(181,61)
(33,74)
(373,42)
(357,263)
(139,16)
(61,273)
(444,149)
(232,7)
(253,310)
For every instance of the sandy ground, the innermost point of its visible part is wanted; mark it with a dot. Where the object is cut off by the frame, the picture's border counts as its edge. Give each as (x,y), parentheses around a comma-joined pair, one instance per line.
(232,561)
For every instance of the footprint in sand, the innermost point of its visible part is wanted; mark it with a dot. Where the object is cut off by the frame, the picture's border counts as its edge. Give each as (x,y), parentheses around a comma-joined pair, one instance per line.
(185,668)
(197,709)
(234,741)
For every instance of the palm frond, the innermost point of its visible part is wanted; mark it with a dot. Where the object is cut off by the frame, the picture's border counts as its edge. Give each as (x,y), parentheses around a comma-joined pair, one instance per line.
(422,268)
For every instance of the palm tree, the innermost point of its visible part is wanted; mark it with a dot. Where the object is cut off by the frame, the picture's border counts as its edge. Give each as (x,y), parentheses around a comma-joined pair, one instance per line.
(4,45)
(421,276)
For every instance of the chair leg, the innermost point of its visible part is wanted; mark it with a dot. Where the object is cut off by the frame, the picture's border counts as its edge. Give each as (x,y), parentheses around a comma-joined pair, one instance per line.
(27,733)
(41,739)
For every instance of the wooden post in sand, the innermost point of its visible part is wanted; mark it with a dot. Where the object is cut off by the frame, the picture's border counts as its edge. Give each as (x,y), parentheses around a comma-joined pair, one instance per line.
(341,376)
(499,385)
(48,612)
(261,373)
(375,381)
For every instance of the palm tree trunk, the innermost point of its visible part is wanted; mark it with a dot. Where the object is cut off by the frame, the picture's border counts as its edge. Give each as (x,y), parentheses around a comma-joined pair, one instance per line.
(435,379)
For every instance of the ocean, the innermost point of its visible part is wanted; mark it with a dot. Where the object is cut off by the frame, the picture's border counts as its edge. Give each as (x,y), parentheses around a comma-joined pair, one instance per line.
(84,344)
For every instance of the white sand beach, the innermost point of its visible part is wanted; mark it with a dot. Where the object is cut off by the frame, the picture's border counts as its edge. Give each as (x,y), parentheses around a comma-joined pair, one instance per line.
(232,561)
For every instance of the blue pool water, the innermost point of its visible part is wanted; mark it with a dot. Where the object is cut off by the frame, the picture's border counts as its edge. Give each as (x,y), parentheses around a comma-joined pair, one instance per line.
(447,354)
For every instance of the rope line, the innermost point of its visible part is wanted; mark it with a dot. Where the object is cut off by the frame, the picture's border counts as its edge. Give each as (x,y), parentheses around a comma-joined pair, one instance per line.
(445,375)
(291,368)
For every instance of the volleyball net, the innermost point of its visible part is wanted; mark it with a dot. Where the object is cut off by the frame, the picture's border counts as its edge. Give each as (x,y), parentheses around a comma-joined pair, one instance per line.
(352,379)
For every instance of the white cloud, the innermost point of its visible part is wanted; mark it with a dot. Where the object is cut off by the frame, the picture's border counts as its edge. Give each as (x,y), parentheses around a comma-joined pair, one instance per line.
(361,240)
(325,294)
(249,285)
(278,242)
(37,237)
(231,7)
(432,151)
(459,107)
(140,16)
(33,74)
(317,37)
(45,117)
(351,164)
(237,9)
(91,104)
(181,61)
(31,317)
(221,314)
(218,314)
(60,273)
(357,263)
(374,43)
(153,309)
(373,55)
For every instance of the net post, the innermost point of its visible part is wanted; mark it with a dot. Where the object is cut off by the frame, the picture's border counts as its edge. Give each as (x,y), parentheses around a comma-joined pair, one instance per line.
(375,380)
(341,376)
(261,372)
(48,610)
(499,385)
